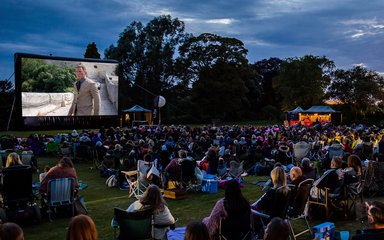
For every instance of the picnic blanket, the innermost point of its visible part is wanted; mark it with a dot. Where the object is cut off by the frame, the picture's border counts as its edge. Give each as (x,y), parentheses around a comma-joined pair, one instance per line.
(177,233)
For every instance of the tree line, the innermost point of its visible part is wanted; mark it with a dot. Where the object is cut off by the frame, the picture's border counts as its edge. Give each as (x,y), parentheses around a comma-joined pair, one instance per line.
(209,77)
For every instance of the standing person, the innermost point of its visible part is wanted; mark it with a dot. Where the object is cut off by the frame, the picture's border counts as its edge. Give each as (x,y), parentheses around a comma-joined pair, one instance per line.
(153,199)
(82,227)
(86,97)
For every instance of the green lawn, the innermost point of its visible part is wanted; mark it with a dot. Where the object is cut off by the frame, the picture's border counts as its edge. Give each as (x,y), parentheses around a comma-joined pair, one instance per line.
(100,201)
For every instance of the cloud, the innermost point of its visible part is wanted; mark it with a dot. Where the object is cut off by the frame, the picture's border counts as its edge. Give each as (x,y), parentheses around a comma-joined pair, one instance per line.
(222,21)
(359,28)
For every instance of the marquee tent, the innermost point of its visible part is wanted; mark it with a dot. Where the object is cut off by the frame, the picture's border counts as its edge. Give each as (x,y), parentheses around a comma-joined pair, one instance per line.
(322,114)
(138,112)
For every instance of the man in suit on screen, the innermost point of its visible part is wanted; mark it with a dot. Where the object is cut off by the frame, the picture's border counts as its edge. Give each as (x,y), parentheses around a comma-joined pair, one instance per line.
(86,97)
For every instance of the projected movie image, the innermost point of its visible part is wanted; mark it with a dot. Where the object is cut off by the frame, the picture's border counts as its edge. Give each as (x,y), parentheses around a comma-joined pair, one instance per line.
(68,88)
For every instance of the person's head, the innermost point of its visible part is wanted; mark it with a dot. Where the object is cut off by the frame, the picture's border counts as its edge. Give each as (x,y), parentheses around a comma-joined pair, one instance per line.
(277,229)
(278,177)
(182,154)
(46,168)
(305,163)
(211,153)
(13,159)
(375,212)
(234,199)
(65,162)
(82,227)
(336,162)
(118,147)
(81,72)
(148,157)
(353,161)
(11,231)
(295,173)
(196,231)
(152,197)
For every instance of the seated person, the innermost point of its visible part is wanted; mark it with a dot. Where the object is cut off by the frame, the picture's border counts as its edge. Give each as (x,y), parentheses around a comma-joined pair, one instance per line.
(282,155)
(233,206)
(13,160)
(82,227)
(277,229)
(332,178)
(296,176)
(210,162)
(307,169)
(354,169)
(196,231)
(173,169)
(153,199)
(153,175)
(63,169)
(11,231)
(43,174)
(272,202)
(375,230)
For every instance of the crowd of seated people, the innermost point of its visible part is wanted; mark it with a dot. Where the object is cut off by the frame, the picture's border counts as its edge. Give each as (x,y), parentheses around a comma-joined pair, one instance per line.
(208,144)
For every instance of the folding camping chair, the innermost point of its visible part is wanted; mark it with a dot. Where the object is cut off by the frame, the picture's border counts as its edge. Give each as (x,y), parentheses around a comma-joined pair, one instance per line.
(137,179)
(239,227)
(133,225)
(60,193)
(297,209)
(300,150)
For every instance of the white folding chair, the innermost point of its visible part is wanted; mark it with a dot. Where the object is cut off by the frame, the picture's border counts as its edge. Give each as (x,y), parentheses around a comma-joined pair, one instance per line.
(137,179)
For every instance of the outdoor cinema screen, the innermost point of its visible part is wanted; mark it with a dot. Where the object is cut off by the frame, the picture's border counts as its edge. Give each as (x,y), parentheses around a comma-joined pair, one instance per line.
(50,87)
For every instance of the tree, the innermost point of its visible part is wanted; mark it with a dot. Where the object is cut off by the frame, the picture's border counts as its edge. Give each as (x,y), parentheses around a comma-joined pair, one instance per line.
(206,50)
(302,81)
(6,86)
(217,69)
(268,69)
(92,51)
(220,92)
(358,88)
(147,56)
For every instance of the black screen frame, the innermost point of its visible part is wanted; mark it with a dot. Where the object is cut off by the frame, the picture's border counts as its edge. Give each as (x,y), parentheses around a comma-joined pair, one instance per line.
(58,122)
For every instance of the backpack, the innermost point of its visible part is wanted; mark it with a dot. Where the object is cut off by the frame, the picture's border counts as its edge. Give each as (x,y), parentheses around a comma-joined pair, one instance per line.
(111,181)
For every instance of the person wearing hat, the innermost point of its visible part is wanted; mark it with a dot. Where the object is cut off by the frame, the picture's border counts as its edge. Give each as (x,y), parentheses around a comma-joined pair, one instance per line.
(86,97)
(282,155)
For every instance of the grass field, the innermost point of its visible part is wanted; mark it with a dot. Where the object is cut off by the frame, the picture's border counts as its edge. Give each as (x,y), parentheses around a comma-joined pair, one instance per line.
(100,201)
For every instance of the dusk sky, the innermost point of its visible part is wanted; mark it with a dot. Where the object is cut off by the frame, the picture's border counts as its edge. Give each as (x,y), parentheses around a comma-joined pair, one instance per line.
(349,32)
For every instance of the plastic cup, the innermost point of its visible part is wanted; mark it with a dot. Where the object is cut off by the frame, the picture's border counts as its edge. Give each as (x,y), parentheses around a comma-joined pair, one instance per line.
(344,235)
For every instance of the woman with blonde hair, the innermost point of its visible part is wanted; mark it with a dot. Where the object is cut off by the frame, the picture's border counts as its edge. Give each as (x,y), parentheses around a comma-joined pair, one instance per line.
(13,159)
(274,200)
(153,199)
(82,227)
